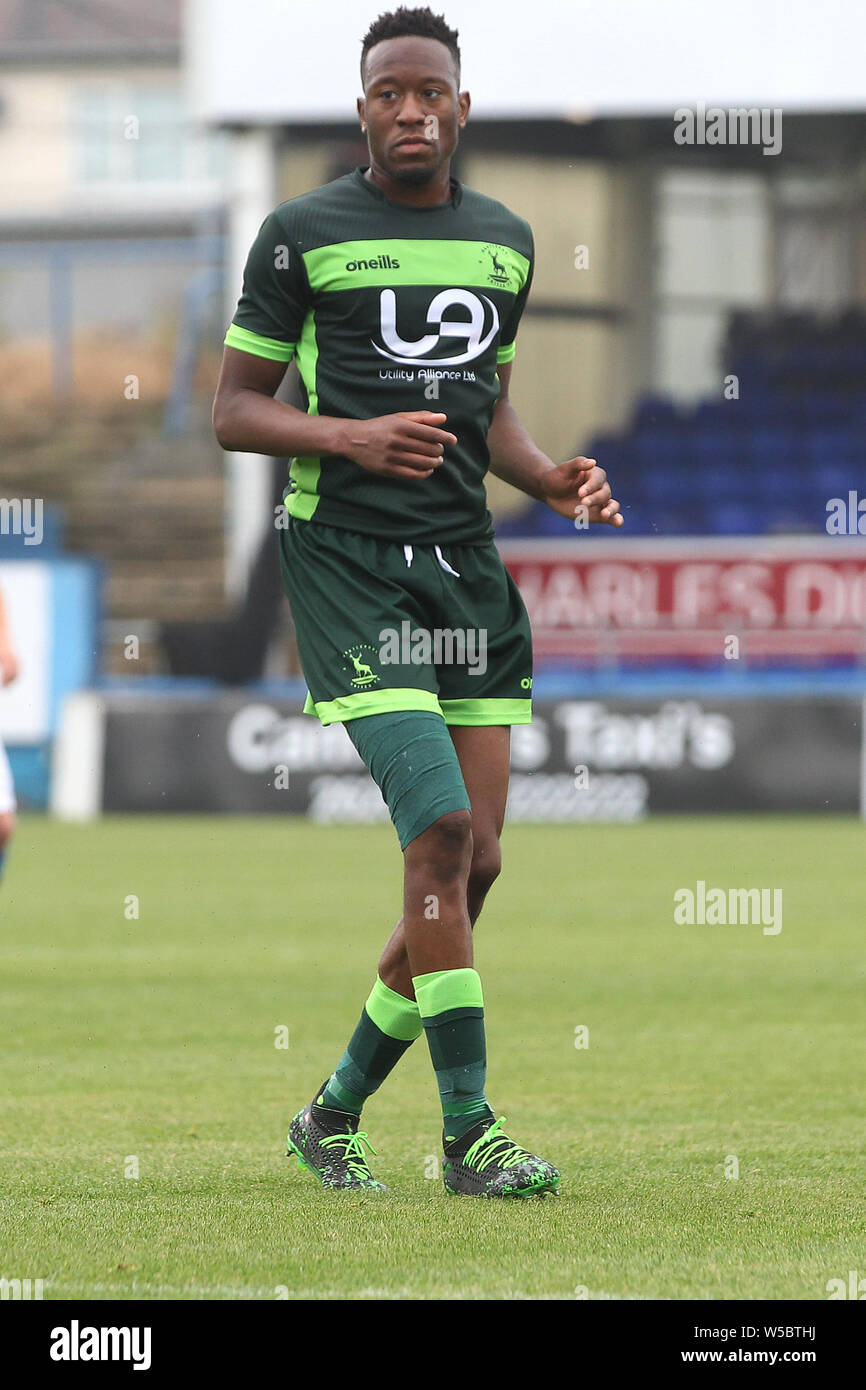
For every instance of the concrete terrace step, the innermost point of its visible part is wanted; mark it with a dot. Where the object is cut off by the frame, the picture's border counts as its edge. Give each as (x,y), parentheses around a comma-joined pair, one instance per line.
(178,589)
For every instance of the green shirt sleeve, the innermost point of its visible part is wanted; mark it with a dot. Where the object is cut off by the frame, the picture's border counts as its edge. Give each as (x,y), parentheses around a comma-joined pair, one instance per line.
(506,349)
(276,296)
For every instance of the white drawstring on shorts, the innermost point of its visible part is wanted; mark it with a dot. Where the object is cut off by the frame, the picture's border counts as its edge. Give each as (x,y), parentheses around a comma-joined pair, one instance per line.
(444,563)
(409,553)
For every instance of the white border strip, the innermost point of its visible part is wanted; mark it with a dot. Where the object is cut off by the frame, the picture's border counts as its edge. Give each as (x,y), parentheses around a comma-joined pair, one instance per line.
(79,757)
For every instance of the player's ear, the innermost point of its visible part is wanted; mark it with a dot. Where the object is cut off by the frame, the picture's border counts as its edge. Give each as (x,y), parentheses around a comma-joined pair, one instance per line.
(362,112)
(463,103)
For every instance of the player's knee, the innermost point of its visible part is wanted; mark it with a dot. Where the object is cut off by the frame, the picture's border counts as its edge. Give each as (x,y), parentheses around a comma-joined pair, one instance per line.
(485,868)
(7,828)
(444,849)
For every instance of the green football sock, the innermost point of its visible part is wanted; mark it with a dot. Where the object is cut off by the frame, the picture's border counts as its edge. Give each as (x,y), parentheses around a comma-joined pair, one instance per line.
(452,1012)
(388,1025)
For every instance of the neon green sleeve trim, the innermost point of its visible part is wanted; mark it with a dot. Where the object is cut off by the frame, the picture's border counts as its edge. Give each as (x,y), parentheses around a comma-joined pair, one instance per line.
(442,990)
(400,1018)
(246,341)
(506,354)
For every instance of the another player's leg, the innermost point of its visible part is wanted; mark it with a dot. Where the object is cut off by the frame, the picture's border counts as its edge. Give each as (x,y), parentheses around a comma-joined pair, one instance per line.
(7,807)
(7,828)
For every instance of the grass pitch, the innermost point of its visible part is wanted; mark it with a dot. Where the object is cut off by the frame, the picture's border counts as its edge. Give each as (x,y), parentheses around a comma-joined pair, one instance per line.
(710,1135)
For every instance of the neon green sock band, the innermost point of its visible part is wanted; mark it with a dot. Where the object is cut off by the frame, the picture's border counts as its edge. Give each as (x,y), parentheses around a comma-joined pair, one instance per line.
(395,1015)
(444,990)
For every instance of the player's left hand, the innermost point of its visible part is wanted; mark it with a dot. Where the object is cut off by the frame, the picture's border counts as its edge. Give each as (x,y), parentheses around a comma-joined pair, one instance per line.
(579,482)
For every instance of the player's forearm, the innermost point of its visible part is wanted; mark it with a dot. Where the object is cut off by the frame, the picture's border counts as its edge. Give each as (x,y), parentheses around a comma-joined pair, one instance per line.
(514,456)
(251,423)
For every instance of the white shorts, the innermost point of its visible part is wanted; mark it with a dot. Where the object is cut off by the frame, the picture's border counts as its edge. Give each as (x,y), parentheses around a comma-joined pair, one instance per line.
(7,789)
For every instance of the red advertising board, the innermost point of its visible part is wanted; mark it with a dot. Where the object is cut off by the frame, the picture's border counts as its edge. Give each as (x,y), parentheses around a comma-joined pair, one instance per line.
(781,598)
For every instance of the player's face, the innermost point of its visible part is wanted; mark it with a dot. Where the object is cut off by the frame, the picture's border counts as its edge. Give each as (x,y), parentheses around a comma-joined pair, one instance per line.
(411,107)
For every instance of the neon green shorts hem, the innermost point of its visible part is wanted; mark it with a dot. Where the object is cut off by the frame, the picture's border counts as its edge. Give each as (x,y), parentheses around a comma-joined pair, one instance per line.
(371,702)
(490,711)
(478,712)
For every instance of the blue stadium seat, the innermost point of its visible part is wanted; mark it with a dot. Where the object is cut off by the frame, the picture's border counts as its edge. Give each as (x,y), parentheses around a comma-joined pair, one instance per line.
(731,449)
(673,519)
(831,445)
(550,523)
(738,519)
(638,519)
(836,479)
(655,410)
(773,490)
(608,450)
(823,408)
(719,482)
(714,415)
(775,442)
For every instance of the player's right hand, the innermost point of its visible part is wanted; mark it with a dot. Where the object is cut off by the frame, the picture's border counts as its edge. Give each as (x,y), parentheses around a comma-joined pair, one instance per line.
(409,444)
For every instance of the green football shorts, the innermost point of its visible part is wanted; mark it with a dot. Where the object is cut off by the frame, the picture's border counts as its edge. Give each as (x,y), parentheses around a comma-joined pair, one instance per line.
(383,626)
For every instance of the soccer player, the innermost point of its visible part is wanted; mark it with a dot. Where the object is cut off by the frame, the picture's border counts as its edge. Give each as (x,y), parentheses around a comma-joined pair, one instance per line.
(400,289)
(8,672)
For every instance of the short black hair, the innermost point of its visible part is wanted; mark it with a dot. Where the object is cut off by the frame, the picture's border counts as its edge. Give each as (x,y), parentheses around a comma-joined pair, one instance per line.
(398,24)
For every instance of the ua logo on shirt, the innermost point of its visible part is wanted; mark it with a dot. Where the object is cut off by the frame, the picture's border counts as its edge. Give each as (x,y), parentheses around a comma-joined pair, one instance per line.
(477,340)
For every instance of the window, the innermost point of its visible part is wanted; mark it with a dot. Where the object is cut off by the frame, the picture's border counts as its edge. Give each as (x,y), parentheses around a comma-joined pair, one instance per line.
(138,132)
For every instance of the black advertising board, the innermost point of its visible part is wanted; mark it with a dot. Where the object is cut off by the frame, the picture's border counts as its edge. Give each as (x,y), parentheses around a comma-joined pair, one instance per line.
(579,760)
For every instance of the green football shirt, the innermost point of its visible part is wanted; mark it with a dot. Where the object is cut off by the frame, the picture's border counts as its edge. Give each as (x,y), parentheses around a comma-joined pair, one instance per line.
(390,308)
